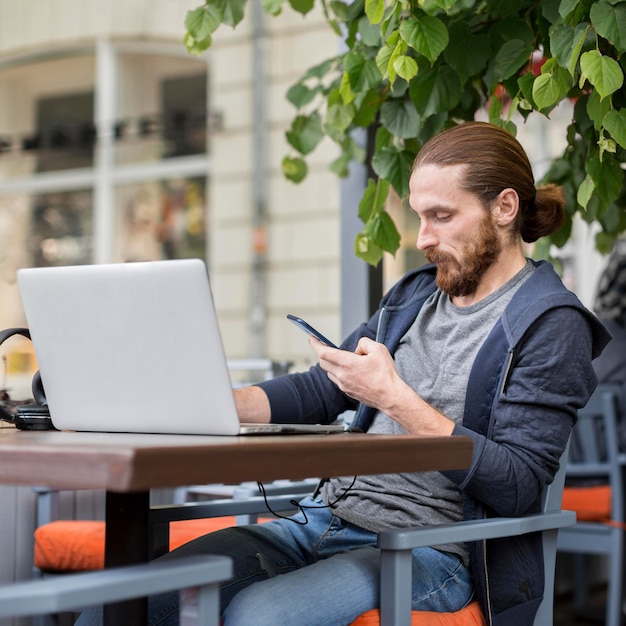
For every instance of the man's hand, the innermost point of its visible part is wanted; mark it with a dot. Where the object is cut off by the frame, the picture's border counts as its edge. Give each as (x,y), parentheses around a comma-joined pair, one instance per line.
(369,376)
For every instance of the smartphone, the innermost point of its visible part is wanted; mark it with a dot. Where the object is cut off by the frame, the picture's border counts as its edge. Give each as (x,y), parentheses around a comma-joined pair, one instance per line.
(309,330)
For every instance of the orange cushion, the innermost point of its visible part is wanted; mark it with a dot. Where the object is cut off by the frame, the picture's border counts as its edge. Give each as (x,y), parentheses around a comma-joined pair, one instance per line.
(69,546)
(471,615)
(77,545)
(592,504)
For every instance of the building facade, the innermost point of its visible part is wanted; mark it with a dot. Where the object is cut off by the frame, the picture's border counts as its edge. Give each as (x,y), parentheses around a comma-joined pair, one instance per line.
(117,145)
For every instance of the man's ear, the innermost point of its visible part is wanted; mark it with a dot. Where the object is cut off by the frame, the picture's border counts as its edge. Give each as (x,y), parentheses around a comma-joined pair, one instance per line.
(506,207)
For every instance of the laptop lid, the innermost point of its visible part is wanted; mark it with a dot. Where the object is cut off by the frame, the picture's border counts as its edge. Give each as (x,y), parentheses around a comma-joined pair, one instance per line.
(130,347)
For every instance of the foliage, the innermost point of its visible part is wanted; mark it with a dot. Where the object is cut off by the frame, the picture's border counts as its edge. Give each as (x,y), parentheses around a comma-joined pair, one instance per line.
(414,67)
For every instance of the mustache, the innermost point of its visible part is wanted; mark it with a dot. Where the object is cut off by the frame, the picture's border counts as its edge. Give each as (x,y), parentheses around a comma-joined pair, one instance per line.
(437,257)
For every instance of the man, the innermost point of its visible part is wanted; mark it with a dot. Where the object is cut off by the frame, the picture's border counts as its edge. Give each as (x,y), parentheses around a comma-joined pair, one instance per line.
(484,343)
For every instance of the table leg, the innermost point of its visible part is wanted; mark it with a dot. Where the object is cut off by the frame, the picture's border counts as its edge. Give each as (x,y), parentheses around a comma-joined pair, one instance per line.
(126,542)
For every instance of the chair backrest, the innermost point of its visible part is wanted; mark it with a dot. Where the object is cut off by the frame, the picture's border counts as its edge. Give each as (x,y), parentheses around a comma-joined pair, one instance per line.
(594,451)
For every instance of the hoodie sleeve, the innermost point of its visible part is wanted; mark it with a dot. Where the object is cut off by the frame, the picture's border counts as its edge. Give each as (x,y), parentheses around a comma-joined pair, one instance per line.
(310,397)
(551,378)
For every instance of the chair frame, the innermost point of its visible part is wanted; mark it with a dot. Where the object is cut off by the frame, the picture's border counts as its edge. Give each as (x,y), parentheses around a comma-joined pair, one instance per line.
(605,462)
(78,591)
(397,545)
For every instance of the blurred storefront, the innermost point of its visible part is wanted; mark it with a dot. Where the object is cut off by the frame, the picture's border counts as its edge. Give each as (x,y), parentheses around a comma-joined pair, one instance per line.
(117,145)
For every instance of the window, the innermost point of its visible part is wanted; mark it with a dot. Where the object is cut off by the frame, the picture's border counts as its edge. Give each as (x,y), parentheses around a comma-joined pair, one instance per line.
(65,134)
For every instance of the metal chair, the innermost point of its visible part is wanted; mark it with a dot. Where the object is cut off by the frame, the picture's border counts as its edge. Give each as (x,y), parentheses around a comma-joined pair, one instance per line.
(396,558)
(78,591)
(595,474)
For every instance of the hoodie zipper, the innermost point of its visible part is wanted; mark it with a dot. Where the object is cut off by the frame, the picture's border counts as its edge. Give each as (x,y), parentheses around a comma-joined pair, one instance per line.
(505,378)
(383,313)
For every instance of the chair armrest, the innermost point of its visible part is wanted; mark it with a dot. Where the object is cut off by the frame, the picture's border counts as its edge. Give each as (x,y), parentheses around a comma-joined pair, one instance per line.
(397,545)
(78,591)
(473,530)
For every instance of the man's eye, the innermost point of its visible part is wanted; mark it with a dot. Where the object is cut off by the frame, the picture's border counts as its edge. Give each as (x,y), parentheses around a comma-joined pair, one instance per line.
(443,217)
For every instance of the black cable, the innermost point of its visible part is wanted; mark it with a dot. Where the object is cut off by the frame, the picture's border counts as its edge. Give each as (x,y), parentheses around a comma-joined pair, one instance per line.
(301,507)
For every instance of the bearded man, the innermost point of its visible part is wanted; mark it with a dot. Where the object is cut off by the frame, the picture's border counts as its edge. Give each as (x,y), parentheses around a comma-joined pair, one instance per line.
(482,342)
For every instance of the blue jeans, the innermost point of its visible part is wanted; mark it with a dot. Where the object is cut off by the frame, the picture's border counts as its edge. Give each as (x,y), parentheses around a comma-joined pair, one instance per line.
(320,573)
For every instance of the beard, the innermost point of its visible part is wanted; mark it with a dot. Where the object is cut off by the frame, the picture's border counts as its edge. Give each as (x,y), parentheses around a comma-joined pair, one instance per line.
(460,277)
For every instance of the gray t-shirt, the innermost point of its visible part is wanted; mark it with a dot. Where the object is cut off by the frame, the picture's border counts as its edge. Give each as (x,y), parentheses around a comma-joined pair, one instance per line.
(435,358)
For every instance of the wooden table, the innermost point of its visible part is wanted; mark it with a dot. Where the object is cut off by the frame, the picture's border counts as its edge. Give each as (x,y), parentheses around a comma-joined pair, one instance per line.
(127,466)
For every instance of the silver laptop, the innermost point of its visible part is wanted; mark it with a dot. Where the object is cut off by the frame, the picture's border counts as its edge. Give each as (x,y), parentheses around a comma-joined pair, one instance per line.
(134,347)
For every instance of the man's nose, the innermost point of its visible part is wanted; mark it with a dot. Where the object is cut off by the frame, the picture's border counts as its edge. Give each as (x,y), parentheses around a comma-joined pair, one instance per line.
(425,238)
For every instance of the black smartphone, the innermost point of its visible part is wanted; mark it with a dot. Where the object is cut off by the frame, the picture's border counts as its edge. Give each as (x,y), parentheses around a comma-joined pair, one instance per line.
(309,330)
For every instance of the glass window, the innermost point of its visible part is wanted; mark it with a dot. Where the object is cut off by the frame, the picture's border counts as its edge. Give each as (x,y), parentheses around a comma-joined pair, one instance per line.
(61,229)
(161,220)
(162,108)
(66,133)
(184,115)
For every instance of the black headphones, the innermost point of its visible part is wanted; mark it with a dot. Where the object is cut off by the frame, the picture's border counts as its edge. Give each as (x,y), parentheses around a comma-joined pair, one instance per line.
(25,414)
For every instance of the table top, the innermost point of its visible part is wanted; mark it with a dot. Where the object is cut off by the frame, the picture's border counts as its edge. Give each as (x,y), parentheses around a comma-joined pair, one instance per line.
(121,462)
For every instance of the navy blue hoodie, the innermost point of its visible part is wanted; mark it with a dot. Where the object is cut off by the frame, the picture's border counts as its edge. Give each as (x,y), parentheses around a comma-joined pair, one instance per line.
(527,382)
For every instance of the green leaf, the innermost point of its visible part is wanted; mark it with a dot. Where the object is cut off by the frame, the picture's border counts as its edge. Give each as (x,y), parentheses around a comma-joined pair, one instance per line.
(615,123)
(367,108)
(400,118)
(566,7)
(341,166)
(366,249)
(607,176)
(319,71)
(340,9)
(435,90)
(605,144)
(405,67)
(353,150)
(347,95)
(302,6)
(232,10)
(383,232)
(552,85)
(604,242)
(338,118)
(362,72)
(511,28)
(566,44)
(610,22)
(203,21)
(602,72)
(511,56)
(273,7)
(585,191)
(394,166)
(374,198)
(305,133)
(369,33)
(446,5)
(525,84)
(428,35)
(374,9)
(467,54)
(294,169)
(300,95)
(597,108)
(383,60)
(196,47)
